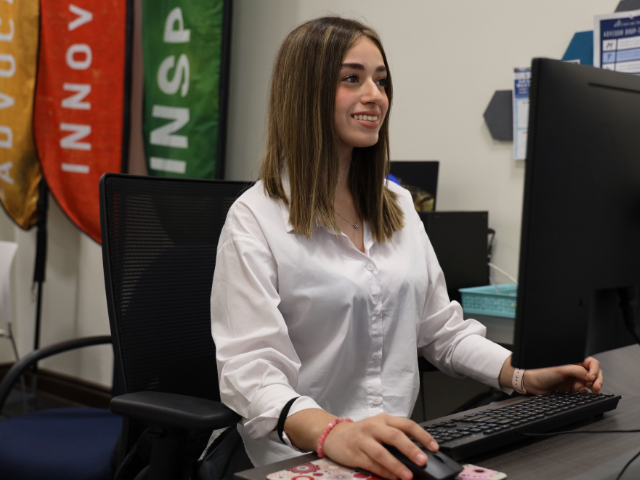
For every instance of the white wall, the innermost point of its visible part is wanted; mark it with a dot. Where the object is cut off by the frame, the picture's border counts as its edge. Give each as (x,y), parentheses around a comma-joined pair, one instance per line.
(447,59)
(73,300)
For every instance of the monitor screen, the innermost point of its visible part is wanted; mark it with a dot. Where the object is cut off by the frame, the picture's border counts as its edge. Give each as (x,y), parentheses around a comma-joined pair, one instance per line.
(421,179)
(580,241)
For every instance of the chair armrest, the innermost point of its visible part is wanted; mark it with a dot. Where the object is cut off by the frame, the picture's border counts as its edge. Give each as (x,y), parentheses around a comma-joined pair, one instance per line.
(31,358)
(425,366)
(174,411)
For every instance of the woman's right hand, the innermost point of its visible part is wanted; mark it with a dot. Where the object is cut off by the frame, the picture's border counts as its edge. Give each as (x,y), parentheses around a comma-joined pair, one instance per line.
(359,444)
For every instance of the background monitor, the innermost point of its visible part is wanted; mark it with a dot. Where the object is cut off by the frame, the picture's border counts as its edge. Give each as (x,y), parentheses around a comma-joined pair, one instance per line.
(580,243)
(459,240)
(421,179)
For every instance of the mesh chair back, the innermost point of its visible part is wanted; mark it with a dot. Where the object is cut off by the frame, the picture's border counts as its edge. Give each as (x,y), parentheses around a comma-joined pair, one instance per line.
(159,238)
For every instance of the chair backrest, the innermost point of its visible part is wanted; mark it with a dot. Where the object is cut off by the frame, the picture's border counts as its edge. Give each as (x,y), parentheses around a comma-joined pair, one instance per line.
(7,254)
(159,240)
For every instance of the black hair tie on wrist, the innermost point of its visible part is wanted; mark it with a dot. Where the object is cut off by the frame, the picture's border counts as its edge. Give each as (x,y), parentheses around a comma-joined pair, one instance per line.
(283,416)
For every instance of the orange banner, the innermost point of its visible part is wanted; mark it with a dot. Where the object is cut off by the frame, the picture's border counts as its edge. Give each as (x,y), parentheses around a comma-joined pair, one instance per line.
(19,168)
(81,101)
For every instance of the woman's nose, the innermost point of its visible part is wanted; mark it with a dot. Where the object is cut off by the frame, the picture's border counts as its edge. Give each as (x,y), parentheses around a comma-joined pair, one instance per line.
(371,93)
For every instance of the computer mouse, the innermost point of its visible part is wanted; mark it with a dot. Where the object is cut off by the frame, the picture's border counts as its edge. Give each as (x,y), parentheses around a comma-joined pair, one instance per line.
(438,467)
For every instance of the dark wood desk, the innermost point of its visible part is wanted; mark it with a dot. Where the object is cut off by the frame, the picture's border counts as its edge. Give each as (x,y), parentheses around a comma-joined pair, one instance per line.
(582,457)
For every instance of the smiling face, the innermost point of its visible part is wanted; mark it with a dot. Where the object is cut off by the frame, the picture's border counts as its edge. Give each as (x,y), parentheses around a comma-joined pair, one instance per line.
(361,100)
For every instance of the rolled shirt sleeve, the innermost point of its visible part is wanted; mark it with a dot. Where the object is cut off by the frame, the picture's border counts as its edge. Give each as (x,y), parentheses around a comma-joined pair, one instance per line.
(481,359)
(456,346)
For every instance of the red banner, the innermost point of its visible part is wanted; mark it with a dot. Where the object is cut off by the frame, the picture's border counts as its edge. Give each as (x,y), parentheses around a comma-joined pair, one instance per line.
(81,101)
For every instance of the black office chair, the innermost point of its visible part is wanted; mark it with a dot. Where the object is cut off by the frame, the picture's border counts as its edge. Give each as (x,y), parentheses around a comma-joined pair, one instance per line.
(159,241)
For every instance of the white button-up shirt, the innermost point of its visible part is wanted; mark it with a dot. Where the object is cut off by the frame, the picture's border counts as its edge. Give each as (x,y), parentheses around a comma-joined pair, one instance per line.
(319,319)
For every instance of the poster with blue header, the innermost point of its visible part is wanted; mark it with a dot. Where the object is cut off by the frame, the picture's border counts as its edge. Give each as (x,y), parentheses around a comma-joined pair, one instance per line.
(616,42)
(521,87)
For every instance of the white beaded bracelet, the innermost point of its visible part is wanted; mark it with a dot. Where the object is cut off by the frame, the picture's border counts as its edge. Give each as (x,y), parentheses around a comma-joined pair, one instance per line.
(518,381)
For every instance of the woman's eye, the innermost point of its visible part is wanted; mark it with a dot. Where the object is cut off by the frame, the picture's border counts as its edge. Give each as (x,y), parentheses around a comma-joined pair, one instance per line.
(353,78)
(382,82)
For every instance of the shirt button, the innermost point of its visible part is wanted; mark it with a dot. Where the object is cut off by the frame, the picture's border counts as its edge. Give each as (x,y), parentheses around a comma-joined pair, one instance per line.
(377,356)
(376,401)
(370,267)
(377,310)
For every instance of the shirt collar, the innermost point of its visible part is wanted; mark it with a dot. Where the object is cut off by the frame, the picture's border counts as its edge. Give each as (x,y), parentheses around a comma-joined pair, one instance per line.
(286,213)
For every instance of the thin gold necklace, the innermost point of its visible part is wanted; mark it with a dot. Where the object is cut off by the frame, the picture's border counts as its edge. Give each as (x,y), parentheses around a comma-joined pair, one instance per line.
(355,225)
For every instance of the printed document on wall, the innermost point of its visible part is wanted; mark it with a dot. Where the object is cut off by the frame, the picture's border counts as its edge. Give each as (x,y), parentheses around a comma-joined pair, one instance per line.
(521,87)
(616,42)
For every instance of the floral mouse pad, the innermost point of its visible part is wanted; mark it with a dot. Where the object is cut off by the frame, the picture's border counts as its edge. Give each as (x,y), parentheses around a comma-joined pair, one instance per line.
(324,469)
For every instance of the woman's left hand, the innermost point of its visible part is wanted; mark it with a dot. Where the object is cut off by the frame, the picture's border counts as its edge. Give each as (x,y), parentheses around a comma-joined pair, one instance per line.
(567,378)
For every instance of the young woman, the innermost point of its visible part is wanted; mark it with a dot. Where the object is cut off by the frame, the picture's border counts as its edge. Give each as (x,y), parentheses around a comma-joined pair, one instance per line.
(326,284)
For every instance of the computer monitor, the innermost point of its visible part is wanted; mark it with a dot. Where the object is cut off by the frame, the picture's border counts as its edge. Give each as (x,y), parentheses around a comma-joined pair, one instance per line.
(421,179)
(580,244)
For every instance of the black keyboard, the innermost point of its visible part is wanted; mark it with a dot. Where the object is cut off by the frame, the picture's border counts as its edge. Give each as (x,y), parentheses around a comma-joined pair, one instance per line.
(472,432)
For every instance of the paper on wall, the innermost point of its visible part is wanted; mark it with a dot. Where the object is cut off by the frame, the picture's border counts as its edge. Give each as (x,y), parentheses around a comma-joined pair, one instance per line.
(521,87)
(616,42)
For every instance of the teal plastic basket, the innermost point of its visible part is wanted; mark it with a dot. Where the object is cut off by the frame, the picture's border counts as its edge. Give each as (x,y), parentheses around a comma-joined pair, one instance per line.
(488,301)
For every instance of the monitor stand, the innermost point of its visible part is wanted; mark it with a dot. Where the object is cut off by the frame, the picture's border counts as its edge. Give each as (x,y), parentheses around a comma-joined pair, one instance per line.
(607,327)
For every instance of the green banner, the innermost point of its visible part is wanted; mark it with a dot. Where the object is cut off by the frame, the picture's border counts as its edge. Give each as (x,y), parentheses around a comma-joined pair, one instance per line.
(182,48)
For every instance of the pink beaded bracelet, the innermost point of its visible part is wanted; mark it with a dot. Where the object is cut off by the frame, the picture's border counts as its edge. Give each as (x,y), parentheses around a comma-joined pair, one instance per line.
(326,432)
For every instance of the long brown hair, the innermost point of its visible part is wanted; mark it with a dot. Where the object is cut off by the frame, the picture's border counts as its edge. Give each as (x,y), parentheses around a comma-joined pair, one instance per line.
(302,137)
